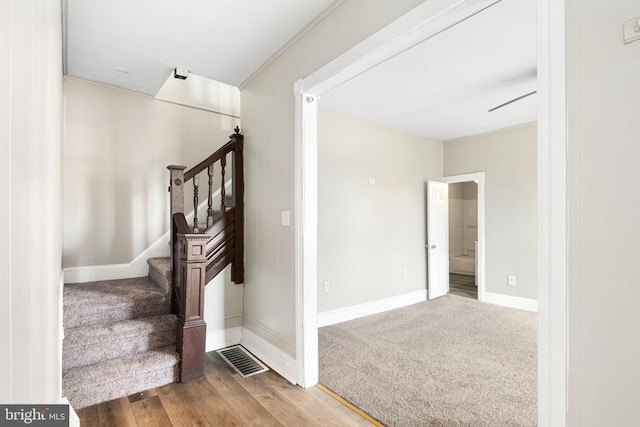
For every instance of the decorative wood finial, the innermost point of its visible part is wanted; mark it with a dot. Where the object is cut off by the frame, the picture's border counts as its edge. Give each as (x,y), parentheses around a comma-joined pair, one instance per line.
(237,130)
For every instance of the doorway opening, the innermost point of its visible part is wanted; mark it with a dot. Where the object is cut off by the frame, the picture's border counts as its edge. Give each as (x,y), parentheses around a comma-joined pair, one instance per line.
(466,245)
(552,227)
(463,239)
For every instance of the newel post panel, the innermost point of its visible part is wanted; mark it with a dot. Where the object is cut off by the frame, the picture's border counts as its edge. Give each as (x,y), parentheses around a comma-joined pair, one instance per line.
(191,334)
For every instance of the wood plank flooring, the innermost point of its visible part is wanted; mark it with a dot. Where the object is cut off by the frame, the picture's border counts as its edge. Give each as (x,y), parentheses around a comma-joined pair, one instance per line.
(463,285)
(223,398)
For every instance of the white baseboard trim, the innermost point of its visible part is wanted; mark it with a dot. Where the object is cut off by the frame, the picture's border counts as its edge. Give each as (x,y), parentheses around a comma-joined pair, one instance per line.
(74,420)
(510,301)
(221,338)
(272,356)
(332,317)
(136,268)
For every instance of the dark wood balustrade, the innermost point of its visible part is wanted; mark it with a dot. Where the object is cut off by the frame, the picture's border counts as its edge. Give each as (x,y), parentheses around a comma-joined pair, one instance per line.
(204,250)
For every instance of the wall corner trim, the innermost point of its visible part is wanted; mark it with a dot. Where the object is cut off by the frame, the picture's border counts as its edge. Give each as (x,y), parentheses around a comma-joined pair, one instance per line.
(511,301)
(332,317)
(136,268)
(272,356)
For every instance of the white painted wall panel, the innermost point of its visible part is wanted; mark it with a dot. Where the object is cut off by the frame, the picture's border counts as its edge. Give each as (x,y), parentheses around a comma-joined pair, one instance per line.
(509,159)
(604,130)
(368,234)
(30,236)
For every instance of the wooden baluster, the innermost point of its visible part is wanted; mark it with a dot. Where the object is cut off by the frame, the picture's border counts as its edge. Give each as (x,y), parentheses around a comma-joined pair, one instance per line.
(223,202)
(196,183)
(210,202)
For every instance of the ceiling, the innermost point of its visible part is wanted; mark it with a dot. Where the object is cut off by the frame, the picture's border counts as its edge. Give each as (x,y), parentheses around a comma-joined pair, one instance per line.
(441,88)
(222,40)
(444,87)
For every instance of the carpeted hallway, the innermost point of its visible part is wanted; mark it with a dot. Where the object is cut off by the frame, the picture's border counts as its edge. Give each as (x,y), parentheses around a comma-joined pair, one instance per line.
(452,361)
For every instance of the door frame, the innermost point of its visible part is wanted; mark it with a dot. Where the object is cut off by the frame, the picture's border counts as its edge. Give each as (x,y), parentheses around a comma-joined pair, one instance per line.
(423,22)
(479,178)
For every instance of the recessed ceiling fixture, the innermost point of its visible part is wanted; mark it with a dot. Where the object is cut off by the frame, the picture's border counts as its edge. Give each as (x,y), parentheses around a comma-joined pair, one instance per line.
(121,70)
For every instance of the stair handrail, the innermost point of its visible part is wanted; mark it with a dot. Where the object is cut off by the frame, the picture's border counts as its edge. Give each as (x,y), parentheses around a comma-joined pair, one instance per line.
(219,153)
(191,255)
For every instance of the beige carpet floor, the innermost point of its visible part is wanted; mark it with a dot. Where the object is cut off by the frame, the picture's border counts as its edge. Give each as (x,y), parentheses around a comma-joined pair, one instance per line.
(452,361)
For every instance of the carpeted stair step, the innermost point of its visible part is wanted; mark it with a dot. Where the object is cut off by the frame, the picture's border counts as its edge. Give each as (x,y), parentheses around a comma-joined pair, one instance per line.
(160,272)
(110,301)
(87,345)
(92,384)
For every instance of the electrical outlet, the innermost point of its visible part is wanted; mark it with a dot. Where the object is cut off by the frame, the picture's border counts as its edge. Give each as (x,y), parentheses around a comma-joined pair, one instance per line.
(404,273)
(326,286)
(512,280)
(632,30)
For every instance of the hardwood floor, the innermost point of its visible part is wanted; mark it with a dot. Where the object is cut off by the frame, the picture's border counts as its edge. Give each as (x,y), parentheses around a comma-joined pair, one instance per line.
(463,285)
(223,398)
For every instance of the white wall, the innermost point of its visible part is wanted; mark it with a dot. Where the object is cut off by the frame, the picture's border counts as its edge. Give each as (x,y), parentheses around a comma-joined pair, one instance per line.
(509,159)
(30,235)
(268,119)
(117,146)
(604,206)
(368,234)
(222,311)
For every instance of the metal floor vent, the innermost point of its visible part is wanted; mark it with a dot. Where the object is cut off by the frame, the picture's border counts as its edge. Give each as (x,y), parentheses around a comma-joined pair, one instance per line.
(243,362)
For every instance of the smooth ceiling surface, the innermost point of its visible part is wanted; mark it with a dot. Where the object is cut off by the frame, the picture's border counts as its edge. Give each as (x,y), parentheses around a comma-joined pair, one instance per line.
(223,40)
(444,87)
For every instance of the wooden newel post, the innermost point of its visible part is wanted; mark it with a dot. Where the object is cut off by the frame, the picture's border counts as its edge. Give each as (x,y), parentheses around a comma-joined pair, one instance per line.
(192,328)
(176,205)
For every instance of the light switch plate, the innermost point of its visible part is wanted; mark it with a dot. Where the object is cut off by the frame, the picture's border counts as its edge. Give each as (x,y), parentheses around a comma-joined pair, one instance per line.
(286,218)
(632,30)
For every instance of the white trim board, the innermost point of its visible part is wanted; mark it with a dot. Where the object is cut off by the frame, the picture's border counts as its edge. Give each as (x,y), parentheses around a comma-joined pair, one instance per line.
(271,355)
(554,92)
(527,304)
(136,268)
(339,315)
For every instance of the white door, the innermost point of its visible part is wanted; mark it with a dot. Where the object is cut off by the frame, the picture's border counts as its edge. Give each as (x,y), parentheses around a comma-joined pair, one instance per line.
(437,238)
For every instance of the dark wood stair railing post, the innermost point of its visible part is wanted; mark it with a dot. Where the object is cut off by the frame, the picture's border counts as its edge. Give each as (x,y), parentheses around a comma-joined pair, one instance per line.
(192,329)
(196,258)
(176,205)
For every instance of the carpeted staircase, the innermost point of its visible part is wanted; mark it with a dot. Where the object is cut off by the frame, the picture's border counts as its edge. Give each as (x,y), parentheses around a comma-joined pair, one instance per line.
(120,337)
